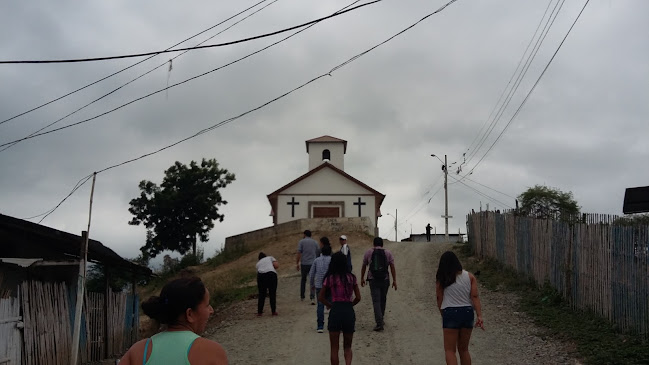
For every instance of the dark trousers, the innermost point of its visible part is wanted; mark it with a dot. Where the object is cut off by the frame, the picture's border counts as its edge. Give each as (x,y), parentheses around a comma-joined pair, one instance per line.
(267,282)
(305,276)
(379,293)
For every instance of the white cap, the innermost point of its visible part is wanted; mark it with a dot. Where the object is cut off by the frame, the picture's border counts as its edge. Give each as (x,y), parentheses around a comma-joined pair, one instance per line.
(343,237)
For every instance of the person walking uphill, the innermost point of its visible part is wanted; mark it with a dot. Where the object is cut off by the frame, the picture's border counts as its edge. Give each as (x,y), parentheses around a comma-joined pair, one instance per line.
(316,276)
(344,248)
(457,298)
(379,259)
(342,286)
(307,251)
(184,306)
(267,282)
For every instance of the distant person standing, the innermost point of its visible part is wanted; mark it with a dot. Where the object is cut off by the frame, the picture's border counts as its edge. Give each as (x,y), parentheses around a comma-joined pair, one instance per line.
(457,298)
(428,228)
(378,259)
(307,251)
(316,276)
(342,285)
(267,282)
(344,248)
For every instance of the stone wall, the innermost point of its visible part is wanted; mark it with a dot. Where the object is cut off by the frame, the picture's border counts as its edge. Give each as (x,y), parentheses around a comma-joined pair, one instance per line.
(254,239)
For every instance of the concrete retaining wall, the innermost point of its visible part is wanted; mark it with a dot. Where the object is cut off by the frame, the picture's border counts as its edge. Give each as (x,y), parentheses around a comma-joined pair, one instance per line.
(254,239)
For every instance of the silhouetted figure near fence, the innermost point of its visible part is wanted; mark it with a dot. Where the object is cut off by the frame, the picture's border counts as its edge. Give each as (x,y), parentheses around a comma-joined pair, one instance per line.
(428,228)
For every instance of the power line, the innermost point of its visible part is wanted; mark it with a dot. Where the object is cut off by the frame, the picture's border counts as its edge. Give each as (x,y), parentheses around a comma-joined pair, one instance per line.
(481,193)
(137,78)
(519,79)
(126,68)
(176,84)
(532,89)
(510,79)
(413,214)
(195,47)
(258,107)
(492,189)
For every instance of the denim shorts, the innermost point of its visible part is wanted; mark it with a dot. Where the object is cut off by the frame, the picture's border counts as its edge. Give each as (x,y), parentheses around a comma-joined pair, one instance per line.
(342,318)
(457,317)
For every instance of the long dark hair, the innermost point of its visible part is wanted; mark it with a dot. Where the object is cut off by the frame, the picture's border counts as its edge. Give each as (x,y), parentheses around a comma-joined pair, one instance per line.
(338,267)
(176,296)
(449,267)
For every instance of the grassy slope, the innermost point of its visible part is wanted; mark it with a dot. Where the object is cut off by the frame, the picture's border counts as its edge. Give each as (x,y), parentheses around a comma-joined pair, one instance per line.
(595,338)
(231,277)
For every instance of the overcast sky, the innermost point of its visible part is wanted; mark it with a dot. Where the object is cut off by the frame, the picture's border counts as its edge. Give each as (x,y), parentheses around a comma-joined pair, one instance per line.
(429,91)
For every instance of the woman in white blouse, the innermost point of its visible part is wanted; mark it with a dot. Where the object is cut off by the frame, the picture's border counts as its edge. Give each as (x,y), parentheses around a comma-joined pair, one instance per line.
(266,282)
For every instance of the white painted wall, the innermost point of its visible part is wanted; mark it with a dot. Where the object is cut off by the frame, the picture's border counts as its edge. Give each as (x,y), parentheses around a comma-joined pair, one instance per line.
(332,187)
(337,150)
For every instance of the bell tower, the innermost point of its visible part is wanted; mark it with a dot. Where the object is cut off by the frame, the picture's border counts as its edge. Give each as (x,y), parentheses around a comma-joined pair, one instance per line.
(326,149)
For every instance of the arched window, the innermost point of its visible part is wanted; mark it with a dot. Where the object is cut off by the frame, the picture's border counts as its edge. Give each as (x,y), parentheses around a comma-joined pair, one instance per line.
(326,155)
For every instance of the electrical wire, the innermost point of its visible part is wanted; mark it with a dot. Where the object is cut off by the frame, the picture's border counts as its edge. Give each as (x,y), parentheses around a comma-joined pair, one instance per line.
(492,189)
(531,90)
(329,73)
(126,68)
(176,84)
(519,79)
(137,78)
(265,35)
(510,80)
(481,193)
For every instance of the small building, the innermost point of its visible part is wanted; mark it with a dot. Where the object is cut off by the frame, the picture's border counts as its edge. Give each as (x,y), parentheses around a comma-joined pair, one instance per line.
(435,238)
(39,270)
(326,190)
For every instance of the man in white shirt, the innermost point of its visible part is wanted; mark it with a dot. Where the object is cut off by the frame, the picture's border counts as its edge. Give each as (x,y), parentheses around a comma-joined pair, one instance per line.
(344,248)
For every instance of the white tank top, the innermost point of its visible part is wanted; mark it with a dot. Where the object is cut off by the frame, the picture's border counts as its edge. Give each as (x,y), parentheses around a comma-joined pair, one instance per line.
(458,294)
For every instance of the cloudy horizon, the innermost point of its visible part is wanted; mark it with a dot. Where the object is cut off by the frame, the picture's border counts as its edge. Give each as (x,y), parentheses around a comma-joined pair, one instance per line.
(429,91)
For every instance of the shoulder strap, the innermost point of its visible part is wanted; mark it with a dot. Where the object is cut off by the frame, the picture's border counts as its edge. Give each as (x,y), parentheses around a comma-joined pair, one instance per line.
(146,350)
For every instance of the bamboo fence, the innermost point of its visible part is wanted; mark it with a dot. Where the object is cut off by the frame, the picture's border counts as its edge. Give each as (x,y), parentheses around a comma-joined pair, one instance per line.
(594,264)
(48,315)
(10,348)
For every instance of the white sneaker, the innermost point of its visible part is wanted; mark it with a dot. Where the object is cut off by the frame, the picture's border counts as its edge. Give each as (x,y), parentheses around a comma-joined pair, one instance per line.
(320,330)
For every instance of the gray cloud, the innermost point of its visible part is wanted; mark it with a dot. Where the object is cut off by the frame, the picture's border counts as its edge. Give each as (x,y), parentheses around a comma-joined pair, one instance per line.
(428,91)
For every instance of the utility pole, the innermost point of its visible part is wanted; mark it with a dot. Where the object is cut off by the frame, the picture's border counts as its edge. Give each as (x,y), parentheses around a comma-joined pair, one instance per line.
(395,227)
(446,217)
(81,282)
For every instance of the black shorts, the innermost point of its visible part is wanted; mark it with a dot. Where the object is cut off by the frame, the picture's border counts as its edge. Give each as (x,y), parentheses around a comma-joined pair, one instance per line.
(342,318)
(457,317)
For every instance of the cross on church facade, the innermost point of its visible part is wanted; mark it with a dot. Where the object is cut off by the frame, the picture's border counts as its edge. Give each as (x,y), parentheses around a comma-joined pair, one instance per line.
(359,203)
(293,203)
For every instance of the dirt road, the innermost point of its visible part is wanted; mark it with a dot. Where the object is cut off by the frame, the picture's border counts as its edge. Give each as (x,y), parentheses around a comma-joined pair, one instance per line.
(413,331)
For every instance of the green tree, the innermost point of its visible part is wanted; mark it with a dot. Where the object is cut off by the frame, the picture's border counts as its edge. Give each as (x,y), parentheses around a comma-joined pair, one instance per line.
(633,220)
(548,203)
(182,209)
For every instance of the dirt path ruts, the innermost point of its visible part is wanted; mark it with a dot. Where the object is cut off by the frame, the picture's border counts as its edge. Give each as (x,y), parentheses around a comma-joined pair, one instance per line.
(412,335)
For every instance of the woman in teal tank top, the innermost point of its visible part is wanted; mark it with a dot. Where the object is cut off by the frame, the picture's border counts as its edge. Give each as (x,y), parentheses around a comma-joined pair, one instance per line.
(184,306)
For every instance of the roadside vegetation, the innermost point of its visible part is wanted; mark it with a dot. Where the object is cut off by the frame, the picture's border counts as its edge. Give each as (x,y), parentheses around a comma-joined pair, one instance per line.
(597,341)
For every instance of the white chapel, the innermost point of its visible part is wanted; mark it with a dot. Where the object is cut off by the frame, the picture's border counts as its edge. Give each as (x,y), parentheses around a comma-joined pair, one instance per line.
(326,190)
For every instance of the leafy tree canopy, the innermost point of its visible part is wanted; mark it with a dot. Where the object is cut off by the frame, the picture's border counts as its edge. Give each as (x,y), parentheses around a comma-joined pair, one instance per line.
(633,220)
(182,208)
(547,203)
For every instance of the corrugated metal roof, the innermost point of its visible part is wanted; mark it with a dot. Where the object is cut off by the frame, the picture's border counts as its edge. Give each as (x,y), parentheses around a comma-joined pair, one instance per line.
(19,261)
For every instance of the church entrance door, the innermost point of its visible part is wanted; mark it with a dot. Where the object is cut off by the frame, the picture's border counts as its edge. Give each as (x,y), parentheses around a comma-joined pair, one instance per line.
(326,212)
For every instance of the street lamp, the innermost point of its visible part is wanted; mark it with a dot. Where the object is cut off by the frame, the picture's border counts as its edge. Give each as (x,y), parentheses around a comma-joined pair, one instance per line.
(445,216)
(395,224)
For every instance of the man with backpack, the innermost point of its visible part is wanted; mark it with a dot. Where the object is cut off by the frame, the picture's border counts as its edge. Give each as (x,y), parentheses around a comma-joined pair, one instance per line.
(378,259)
